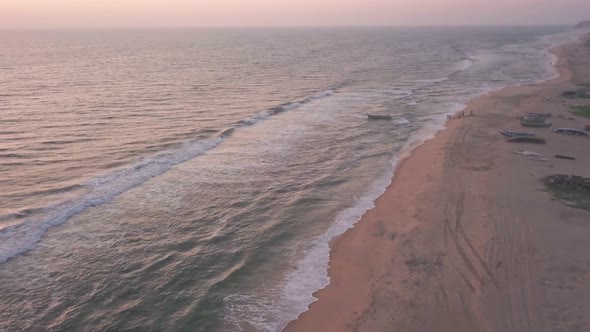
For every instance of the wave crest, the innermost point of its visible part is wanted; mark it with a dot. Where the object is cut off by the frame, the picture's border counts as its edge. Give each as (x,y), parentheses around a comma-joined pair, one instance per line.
(19,238)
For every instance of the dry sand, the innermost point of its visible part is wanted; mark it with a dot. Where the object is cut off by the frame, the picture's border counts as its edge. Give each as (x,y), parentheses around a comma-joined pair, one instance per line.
(466,238)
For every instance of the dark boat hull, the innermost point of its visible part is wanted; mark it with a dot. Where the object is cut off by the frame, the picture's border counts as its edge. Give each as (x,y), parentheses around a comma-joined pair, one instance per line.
(535,124)
(508,133)
(378,117)
(534,140)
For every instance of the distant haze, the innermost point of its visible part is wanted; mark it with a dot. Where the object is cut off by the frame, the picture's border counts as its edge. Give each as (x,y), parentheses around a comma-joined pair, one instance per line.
(236,13)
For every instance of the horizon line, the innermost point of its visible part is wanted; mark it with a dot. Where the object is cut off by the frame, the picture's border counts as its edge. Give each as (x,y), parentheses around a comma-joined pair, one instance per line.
(171,27)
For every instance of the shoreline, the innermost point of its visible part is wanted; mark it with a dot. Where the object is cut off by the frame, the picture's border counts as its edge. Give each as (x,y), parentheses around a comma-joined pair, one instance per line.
(350,298)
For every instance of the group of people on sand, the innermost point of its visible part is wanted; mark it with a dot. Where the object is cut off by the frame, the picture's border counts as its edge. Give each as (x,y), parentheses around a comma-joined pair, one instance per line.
(458,115)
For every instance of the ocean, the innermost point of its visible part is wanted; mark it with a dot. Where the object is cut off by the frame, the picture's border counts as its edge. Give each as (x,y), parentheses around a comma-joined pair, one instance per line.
(192,179)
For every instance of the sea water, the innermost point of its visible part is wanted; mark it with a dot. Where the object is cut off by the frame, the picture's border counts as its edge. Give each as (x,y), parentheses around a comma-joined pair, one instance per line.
(191,180)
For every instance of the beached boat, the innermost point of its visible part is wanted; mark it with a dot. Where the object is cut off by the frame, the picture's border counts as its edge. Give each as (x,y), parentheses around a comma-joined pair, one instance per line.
(559,156)
(509,133)
(535,140)
(539,115)
(379,117)
(534,123)
(533,118)
(570,131)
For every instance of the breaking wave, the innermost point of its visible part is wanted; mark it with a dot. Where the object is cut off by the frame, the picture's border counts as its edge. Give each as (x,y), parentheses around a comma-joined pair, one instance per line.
(282,108)
(19,238)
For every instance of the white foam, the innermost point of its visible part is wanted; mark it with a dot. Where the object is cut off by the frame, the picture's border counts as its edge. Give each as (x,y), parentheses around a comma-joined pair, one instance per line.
(283,108)
(291,106)
(430,128)
(256,118)
(401,121)
(322,94)
(434,80)
(551,59)
(20,238)
(464,65)
(400,94)
(273,313)
(550,68)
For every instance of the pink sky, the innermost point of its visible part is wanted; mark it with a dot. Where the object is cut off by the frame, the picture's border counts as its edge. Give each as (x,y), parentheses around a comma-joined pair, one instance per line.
(188,13)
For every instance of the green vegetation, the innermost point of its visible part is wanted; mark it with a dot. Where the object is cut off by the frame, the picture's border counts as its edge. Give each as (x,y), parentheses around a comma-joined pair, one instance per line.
(571,190)
(586,85)
(583,111)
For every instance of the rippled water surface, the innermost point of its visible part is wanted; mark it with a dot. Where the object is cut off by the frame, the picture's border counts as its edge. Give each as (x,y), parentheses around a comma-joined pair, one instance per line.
(190,180)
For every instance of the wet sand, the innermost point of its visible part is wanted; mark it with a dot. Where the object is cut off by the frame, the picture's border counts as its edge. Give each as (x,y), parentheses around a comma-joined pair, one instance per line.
(466,238)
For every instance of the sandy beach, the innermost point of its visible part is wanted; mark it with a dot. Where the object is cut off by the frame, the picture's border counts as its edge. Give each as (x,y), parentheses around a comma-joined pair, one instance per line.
(466,238)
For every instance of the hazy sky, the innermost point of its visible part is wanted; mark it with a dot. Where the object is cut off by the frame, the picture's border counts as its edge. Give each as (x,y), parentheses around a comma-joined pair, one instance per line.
(175,13)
